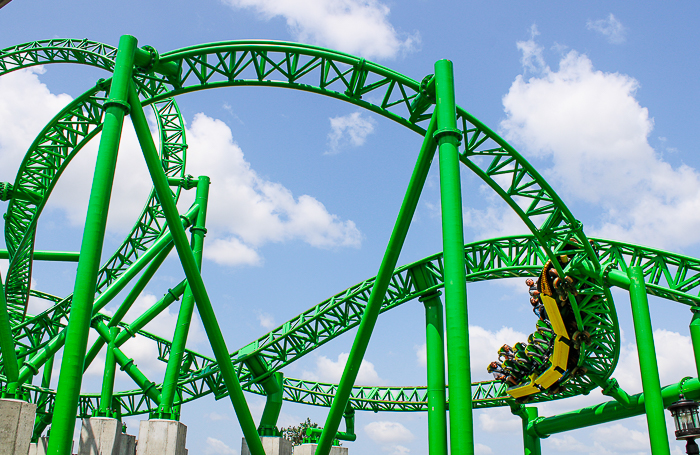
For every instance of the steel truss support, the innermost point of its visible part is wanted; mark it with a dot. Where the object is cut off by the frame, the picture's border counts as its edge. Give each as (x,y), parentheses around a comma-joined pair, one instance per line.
(651,385)
(194,279)
(458,370)
(374,304)
(70,377)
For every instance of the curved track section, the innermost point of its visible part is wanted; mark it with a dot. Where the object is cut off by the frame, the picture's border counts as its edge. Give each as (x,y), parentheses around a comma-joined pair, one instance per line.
(671,276)
(46,159)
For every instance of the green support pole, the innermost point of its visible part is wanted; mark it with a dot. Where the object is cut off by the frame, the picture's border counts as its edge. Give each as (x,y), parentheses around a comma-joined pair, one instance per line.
(126,364)
(53,256)
(374,304)
(695,337)
(7,345)
(273,406)
(435,355)
(108,378)
(189,265)
(531,443)
(182,329)
(70,377)
(458,369)
(651,385)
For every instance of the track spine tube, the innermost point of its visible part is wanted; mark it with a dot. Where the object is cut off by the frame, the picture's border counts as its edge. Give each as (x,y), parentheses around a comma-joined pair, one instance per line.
(435,356)
(189,265)
(695,338)
(651,385)
(70,377)
(182,328)
(381,283)
(457,325)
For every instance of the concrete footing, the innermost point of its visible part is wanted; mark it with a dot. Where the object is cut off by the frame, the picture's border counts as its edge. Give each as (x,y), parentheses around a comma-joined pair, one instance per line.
(42,447)
(162,437)
(16,426)
(273,445)
(103,436)
(310,449)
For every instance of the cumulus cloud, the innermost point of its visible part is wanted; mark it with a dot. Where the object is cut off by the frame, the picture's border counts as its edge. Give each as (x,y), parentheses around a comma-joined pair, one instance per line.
(267,321)
(218,447)
(483,348)
(611,28)
(328,370)
(595,132)
(358,27)
(389,435)
(351,129)
(247,211)
(499,420)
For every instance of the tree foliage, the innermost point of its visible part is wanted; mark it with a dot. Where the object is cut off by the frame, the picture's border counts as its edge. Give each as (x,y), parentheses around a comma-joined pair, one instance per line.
(297,433)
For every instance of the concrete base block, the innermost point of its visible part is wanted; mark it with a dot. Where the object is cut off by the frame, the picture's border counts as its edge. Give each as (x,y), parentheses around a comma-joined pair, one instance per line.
(16,426)
(103,436)
(310,449)
(273,445)
(162,437)
(42,447)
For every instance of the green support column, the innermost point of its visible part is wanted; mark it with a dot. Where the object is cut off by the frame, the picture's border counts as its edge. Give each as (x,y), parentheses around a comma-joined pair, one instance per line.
(108,377)
(531,442)
(435,356)
(651,385)
(695,337)
(458,370)
(374,304)
(182,329)
(189,266)
(7,345)
(70,377)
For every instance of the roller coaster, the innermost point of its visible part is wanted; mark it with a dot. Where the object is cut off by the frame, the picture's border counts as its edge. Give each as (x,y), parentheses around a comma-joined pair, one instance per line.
(573,349)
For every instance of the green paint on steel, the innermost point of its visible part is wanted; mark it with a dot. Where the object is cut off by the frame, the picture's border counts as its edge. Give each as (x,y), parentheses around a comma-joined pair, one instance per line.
(70,377)
(654,406)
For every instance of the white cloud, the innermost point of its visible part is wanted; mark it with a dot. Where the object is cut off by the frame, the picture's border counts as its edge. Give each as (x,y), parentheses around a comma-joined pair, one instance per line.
(390,435)
(232,252)
(672,350)
(328,370)
(594,131)
(355,26)
(247,211)
(218,447)
(482,449)
(351,129)
(267,321)
(499,420)
(483,348)
(215,416)
(611,28)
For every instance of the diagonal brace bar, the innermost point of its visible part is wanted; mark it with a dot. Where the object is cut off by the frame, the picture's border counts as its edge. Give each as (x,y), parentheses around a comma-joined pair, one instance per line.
(374,304)
(194,278)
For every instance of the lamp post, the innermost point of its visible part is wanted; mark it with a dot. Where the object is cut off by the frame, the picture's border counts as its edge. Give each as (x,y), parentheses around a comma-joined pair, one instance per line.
(687,422)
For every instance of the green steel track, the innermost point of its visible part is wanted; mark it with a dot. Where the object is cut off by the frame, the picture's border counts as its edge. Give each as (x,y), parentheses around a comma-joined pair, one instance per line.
(554,229)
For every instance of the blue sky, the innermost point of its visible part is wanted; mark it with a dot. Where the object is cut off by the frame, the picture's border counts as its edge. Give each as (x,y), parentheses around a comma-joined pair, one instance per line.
(599,96)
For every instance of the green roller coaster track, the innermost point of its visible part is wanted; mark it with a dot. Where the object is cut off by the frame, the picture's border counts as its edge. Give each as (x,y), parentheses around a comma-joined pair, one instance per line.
(144,77)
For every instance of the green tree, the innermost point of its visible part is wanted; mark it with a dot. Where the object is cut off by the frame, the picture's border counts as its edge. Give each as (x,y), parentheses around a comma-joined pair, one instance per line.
(297,433)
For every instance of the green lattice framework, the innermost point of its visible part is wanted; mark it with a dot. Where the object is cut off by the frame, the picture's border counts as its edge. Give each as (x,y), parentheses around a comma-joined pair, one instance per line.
(350,79)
